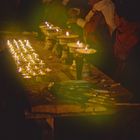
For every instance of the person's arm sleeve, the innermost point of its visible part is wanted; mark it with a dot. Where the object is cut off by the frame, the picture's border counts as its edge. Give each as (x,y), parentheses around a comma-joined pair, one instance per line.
(81,22)
(99,5)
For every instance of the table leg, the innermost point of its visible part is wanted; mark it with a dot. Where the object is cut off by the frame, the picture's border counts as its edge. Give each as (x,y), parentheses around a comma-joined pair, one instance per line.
(79,66)
(50,121)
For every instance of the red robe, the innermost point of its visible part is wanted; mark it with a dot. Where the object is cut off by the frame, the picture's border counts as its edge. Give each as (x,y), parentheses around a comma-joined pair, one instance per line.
(126,38)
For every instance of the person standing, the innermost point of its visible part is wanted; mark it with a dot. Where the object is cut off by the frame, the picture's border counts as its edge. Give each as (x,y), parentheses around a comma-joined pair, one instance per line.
(106,7)
(127,45)
(98,26)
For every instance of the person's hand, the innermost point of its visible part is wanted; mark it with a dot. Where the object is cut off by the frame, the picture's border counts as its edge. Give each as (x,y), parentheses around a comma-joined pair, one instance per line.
(81,22)
(89,15)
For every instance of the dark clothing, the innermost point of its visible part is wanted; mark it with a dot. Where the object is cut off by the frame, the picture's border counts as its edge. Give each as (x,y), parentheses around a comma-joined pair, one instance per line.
(10,83)
(99,38)
(126,51)
(13,100)
(127,45)
(130,76)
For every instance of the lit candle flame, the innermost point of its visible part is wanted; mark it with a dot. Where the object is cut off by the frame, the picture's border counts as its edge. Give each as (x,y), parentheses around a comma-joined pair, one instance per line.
(67,33)
(78,42)
(80,45)
(46,22)
(22,51)
(50,27)
(86,48)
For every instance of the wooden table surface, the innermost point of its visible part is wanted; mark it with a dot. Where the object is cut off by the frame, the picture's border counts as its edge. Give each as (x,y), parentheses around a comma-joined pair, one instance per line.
(38,87)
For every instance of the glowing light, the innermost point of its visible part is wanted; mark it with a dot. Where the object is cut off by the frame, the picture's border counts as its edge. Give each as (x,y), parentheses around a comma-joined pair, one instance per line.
(20,69)
(78,42)
(57,30)
(47,24)
(27,60)
(50,27)
(67,33)
(27,77)
(86,48)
